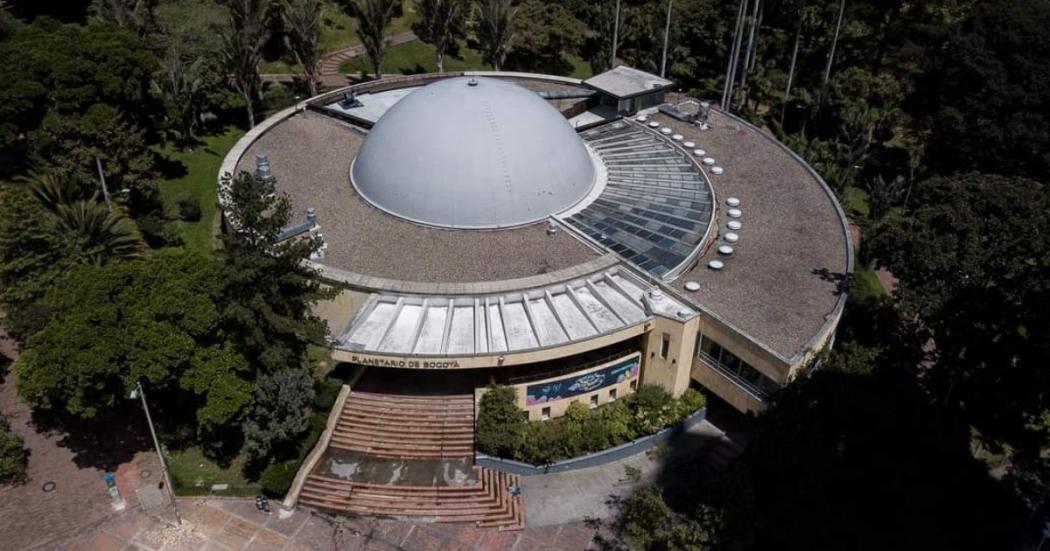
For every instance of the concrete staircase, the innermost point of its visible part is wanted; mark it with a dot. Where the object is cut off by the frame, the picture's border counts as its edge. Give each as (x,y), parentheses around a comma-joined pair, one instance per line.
(407,427)
(486,503)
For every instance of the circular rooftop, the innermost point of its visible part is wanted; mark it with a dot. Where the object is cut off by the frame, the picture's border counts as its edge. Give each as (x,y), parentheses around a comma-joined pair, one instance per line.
(473,153)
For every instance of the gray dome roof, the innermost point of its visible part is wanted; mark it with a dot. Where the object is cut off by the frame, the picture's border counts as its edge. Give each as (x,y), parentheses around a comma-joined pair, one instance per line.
(483,155)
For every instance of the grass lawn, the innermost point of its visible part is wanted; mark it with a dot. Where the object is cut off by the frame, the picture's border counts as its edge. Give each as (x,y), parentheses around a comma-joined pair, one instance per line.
(199,181)
(339,30)
(855,202)
(194,474)
(866,284)
(581,69)
(416,57)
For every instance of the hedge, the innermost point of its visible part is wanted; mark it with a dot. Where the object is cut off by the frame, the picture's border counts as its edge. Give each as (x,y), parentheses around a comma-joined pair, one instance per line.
(581,430)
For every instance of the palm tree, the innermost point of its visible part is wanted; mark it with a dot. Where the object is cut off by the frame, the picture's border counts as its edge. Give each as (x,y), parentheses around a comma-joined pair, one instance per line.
(100,235)
(441,23)
(831,56)
(495,30)
(50,190)
(302,18)
(373,17)
(242,43)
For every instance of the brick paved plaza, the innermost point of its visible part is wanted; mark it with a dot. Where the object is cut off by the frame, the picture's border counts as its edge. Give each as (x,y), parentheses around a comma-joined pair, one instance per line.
(235,524)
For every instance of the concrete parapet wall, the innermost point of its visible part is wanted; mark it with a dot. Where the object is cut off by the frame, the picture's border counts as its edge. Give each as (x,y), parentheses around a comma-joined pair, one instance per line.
(322,444)
(622,451)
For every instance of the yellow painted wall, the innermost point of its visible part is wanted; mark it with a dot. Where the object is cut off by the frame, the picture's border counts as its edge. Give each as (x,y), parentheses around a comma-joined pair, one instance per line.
(670,372)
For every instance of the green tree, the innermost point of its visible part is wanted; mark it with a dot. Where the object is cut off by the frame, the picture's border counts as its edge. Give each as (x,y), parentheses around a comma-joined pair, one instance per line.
(649,524)
(191,78)
(501,424)
(495,30)
(154,320)
(986,96)
(373,18)
(302,19)
(134,15)
(278,415)
(64,70)
(268,290)
(13,455)
(243,38)
(441,25)
(68,145)
(543,34)
(973,259)
(33,253)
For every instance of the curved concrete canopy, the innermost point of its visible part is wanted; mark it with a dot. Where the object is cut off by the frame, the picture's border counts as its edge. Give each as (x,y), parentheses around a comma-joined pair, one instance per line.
(473,153)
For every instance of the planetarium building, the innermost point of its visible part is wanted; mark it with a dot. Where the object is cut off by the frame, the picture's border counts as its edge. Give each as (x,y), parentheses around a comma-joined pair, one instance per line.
(573,239)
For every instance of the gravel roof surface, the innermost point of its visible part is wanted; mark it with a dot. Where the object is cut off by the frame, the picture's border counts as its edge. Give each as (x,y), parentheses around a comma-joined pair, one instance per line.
(785,274)
(310,155)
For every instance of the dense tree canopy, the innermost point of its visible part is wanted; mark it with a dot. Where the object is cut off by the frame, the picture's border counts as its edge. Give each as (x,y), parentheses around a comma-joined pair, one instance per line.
(114,325)
(268,291)
(986,92)
(973,258)
(65,69)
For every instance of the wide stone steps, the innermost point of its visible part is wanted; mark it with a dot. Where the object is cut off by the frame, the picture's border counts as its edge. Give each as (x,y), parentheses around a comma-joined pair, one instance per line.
(487,503)
(406,427)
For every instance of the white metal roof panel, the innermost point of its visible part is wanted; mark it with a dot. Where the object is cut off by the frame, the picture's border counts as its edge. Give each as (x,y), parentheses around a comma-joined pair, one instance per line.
(593,305)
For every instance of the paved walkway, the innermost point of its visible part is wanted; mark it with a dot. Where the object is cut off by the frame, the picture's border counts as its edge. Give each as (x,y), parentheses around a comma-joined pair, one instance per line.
(555,499)
(73,460)
(235,524)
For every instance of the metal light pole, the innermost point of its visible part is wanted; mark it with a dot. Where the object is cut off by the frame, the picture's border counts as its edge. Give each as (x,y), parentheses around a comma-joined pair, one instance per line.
(616,35)
(156,443)
(102,178)
(667,33)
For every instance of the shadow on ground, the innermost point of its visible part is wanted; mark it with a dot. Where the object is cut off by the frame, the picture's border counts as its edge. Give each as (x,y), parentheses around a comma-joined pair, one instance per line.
(100,442)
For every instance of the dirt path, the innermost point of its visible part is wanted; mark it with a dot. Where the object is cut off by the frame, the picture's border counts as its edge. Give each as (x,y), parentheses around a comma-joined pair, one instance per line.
(31,517)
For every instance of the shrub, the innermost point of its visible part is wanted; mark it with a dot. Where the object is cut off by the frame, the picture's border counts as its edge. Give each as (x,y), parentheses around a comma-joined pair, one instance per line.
(189,208)
(501,425)
(277,478)
(13,455)
(582,430)
(279,413)
(651,408)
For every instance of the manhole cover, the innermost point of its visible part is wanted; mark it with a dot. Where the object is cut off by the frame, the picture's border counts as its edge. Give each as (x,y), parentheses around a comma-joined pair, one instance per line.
(145,473)
(48,486)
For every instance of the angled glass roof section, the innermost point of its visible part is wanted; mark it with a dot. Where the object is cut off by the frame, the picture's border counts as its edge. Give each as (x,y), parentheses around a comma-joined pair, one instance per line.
(657,205)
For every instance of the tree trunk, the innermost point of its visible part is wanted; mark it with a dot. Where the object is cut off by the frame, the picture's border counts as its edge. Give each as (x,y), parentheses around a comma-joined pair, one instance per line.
(747,55)
(884,40)
(791,70)
(727,92)
(667,34)
(441,60)
(251,109)
(377,61)
(831,57)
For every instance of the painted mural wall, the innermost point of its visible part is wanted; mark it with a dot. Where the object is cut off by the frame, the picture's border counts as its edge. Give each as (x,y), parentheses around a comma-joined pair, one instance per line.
(575,385)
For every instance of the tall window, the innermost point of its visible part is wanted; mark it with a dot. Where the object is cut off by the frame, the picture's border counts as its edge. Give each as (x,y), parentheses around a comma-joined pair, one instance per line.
(665,346)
